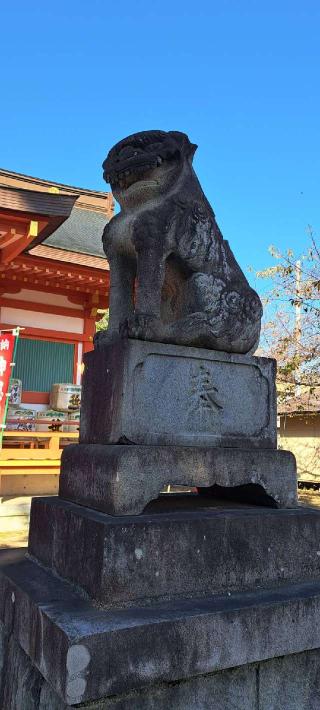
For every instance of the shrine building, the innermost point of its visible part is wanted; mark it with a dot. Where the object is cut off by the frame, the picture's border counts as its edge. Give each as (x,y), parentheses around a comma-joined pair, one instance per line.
(54,277)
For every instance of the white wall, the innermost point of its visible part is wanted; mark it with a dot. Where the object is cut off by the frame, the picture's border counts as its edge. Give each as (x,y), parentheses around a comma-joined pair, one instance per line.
(79,364)
(48,321)
(53,299)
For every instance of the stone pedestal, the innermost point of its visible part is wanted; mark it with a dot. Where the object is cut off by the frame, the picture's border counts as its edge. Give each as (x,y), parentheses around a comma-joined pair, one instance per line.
(155,414)
(122,480)
(137,392)
(186,610)
(129,599)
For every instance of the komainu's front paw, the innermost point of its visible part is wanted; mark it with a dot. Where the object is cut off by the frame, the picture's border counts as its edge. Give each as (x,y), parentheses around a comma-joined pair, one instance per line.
(142,327)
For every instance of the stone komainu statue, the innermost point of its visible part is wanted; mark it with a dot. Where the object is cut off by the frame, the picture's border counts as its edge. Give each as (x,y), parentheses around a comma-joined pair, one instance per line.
(174,278)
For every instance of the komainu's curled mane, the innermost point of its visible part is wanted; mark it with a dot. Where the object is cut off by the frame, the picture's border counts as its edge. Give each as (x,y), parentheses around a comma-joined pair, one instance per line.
(189,289)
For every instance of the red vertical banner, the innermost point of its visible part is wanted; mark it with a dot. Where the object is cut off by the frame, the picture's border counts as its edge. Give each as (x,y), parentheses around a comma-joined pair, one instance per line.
(6,354)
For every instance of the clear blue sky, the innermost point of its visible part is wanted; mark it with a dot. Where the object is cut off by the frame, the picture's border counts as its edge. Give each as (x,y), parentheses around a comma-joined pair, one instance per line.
(240,77)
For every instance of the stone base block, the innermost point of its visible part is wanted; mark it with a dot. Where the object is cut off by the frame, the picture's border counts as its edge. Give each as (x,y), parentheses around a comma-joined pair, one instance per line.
(292,682)
(86,654)
(154,557)
(150,393)
(122,480)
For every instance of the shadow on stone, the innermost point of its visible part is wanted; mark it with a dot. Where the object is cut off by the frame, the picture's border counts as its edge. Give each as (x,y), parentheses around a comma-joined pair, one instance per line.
(213,497)
(251,493)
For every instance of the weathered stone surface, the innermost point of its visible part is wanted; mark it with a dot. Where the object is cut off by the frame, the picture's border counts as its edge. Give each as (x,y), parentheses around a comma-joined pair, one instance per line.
(189,288)
(4,639)
(139,560)
(21,682)
(86,653)
(122,480)
(292,682)
(22,687)
(150,393)
(228,690)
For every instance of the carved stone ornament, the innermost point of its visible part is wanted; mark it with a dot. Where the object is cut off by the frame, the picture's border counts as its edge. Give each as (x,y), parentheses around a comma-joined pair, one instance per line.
(174,279)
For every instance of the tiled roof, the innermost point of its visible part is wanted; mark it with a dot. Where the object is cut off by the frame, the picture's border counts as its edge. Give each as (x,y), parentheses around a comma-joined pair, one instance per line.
(95,262)
(80,233)
(8,176)
(20,200)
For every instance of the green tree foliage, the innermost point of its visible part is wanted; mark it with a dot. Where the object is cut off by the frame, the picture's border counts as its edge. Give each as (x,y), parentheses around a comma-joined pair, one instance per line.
(102,324)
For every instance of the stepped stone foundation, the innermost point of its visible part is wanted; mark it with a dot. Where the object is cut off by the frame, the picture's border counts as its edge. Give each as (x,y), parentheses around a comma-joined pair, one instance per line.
(133,599)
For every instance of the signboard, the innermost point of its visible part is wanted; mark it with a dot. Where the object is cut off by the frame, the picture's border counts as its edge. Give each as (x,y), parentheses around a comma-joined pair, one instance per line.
(7,342)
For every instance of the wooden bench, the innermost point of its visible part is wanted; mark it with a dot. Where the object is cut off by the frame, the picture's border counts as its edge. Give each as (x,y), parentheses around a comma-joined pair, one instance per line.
(28,463)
